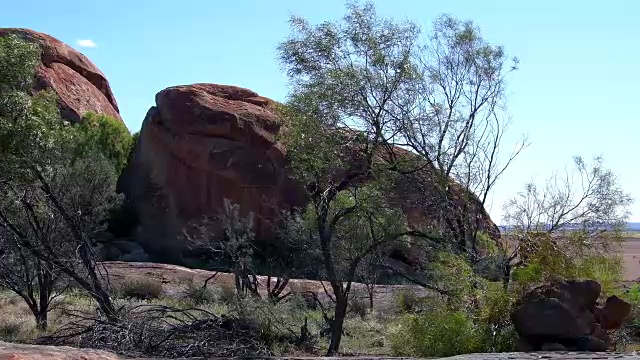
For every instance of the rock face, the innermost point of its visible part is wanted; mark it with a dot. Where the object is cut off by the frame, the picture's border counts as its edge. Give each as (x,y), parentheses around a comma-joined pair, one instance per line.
(566,314)
(199,145)
(204,143)
(79,84)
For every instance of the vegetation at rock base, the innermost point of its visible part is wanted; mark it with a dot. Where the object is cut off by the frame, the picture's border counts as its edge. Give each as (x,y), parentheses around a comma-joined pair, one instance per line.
(373,106)
(105,135)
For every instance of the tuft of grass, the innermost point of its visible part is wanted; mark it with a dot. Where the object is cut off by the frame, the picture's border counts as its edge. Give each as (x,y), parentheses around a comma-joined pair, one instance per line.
(10,331)
(227,294)
(407,301)
(359,306)
(198,294)
(139,288)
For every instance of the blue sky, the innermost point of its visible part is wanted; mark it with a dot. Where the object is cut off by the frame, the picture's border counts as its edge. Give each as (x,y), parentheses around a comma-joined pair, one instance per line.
(575,93)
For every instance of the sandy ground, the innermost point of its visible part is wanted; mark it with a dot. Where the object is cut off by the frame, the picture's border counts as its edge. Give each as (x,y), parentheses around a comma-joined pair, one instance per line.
(631,253)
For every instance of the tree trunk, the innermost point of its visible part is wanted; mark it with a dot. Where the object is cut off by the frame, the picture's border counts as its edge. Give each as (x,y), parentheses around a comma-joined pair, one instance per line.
(371,289)
(338,323)
(42,319)
(506,276)
(105,304)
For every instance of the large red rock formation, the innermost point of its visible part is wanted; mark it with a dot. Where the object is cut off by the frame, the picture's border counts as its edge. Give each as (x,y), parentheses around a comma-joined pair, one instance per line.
(204,143)
(199,145)
(79,84)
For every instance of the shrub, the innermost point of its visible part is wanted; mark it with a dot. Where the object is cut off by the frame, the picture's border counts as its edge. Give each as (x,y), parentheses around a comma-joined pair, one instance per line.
(10,331)
(435,334)
(140,288)
(227,294)
(407,301)
(198,294)
(631,329)
(493,318)
(107,135)
(358,306)
(604,268)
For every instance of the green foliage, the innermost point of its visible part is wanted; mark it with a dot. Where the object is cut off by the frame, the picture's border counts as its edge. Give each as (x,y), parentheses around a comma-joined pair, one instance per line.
(407,301)
(486,243)
(359,306)
(439,333)
(31,131)
(107,136)
(227,294)
(606,269)
(551,259)
(10,331)
(631,329)
(453,274)
(198,294)
(313,151)
(18,63)
(140,288)
(492,317)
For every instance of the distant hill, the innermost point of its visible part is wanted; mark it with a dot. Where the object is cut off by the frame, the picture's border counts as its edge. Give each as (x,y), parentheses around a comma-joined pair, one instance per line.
(631,226)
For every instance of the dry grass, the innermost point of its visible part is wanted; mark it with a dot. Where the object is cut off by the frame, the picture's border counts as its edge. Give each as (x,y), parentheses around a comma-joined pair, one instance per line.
(138,287)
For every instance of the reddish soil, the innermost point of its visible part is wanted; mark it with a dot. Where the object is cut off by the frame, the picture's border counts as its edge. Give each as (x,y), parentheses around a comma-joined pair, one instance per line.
(631,253)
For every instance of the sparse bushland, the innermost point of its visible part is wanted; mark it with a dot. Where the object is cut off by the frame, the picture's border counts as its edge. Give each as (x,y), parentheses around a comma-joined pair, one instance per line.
(363,88)
(53,200)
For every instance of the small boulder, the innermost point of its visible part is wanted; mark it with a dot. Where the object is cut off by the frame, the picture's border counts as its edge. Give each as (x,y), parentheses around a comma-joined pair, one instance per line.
(613,314)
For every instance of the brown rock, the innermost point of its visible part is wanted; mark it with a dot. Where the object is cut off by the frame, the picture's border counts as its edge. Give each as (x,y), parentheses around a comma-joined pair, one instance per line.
(9,351)
(563,312)
(204,143)
(79,84)
(556,311)
(614,313)
(597,344)
(522,345)
(553,347)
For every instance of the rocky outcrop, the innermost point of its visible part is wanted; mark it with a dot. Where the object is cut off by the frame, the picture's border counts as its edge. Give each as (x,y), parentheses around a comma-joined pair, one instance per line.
(80,85)
(566,315)
(10,351)
(199,145)
(204,143)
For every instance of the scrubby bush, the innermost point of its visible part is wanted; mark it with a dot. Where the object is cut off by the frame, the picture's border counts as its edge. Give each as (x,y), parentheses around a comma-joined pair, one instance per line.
(139,288)
(108,136)
(436,334)
(630,331)
(199,294)
(227,294)
(358,306)
(10,331)
(406,301)
(492,318)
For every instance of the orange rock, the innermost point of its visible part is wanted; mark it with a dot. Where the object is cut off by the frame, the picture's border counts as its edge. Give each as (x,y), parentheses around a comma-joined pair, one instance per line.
(9,351)
(204,143)
(79,84)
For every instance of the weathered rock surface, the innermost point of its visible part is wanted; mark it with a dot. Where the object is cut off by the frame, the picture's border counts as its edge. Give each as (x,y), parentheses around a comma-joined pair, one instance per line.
(204,143)
(80,85)
(564,355)
(10,351)
(567,314)
(199,145)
